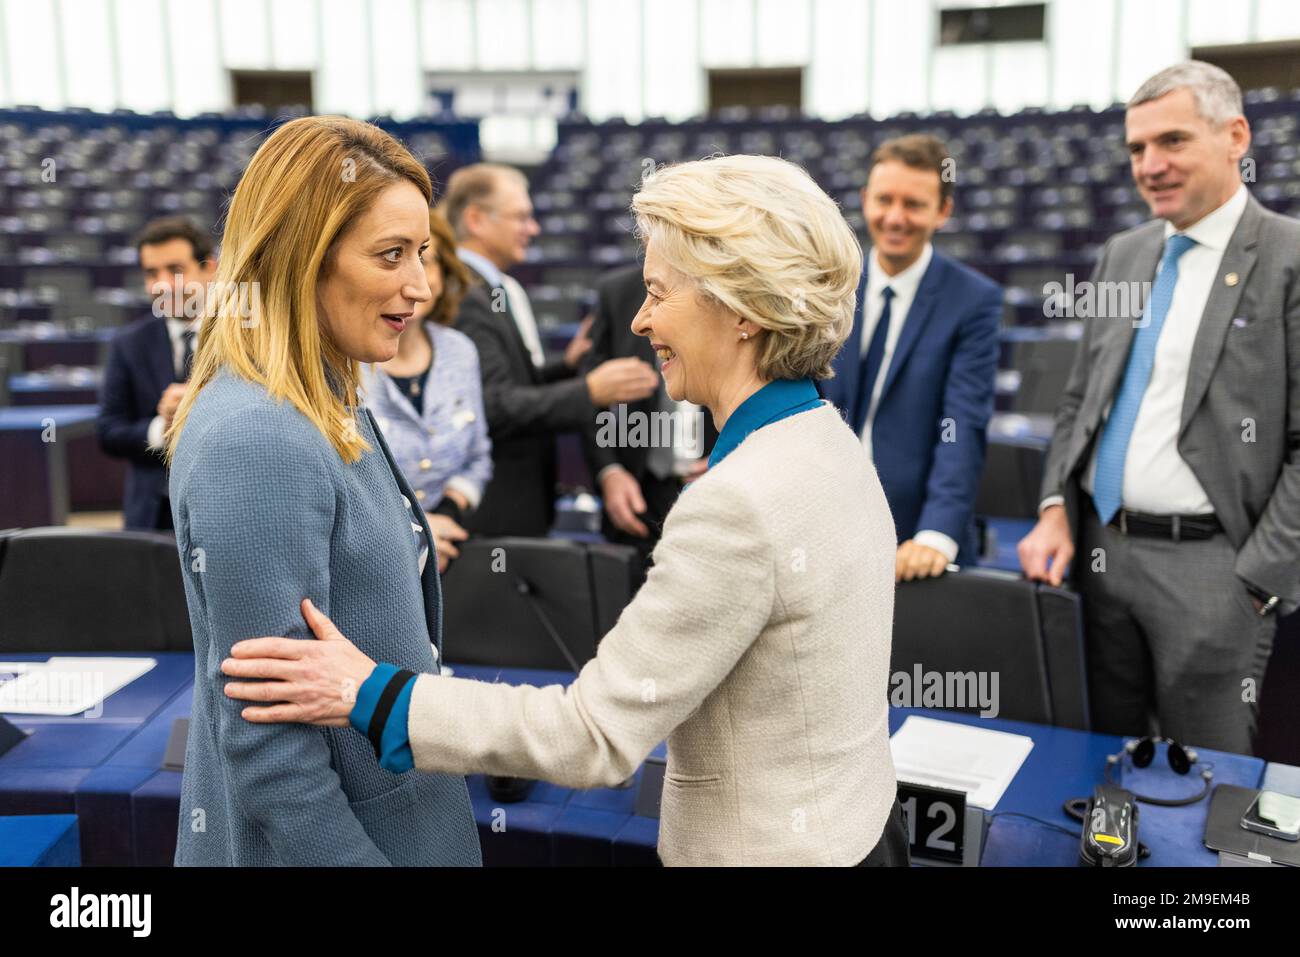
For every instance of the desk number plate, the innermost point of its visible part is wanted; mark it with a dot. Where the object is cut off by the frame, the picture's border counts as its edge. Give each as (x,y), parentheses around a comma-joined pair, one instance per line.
(936,819)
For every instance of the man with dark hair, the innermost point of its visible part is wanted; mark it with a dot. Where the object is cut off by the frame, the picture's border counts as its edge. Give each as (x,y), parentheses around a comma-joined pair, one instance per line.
(915,377)
(527,400)
(149,363)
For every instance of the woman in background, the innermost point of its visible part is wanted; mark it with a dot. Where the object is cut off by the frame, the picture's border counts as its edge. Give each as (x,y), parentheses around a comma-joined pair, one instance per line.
(428,400)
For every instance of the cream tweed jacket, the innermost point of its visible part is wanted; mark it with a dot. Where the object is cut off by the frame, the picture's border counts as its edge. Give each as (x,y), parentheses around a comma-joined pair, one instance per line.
(758,647)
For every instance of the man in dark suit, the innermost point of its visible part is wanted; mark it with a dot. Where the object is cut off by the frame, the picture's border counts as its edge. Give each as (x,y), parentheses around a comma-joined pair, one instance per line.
(148,364)
(915,377)
(528,400)
(639,481)
(1175,462)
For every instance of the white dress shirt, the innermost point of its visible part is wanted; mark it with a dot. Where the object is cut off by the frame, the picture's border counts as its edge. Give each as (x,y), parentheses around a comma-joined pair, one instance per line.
(905,286)
(1156,478)
(520,308)
(176,328)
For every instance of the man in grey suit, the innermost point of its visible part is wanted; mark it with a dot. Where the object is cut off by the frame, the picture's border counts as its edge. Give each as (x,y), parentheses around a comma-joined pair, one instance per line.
(1175,461)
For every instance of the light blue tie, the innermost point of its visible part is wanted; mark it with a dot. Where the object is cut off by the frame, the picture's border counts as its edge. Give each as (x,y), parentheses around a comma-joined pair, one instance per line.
(1108,483)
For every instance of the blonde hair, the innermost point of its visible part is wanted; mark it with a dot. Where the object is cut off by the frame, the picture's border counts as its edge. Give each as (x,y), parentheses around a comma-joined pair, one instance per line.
(757,235)
(303,189)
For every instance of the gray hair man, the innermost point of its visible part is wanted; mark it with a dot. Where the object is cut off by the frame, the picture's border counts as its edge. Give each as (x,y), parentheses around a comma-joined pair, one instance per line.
(528,399)
(1174,461)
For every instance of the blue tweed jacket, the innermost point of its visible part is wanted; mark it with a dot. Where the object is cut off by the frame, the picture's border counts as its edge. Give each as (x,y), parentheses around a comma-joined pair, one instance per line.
(267,514)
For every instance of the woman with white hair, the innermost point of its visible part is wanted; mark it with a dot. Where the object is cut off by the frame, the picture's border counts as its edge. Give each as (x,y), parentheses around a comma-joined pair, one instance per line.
(759,643)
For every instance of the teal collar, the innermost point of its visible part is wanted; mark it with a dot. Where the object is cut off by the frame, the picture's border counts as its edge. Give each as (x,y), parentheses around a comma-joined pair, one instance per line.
(777,400)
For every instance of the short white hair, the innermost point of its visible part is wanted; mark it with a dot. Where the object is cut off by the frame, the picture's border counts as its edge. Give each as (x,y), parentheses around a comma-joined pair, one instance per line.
(757,235)
(1217,95)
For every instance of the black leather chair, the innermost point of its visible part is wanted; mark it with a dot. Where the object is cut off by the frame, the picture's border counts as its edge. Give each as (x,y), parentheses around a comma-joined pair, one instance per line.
(982,621)
(77,590)
(533,602)
(1044,367)
(616,573)
(1012,478)
(1060,611)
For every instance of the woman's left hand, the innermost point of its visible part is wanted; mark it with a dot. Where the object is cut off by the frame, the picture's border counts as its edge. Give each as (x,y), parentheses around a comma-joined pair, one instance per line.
(314,682)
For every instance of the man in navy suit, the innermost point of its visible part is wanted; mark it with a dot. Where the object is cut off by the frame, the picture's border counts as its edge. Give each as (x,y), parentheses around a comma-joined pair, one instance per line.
(915,377)
(148,364)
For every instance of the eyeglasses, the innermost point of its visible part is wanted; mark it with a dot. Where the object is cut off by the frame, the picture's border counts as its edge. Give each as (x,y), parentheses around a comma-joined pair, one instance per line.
(521,219)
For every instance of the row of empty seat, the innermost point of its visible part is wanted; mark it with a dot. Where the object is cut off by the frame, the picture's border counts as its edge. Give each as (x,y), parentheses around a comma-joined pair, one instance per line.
(76,187)
(529,603)
(1037,192)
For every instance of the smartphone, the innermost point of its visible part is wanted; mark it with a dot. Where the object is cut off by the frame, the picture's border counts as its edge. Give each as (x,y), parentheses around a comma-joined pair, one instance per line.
(1274,814)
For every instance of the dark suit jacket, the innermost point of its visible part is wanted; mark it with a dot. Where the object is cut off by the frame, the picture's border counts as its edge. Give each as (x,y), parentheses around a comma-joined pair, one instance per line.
(138,372)
(1244,376)
(928,436)
(526,407)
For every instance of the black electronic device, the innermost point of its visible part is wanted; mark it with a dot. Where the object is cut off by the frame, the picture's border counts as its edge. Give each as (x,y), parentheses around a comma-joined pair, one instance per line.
(1274,814)
(1224,832)
(1141,751)
(508,790)
(1110,827)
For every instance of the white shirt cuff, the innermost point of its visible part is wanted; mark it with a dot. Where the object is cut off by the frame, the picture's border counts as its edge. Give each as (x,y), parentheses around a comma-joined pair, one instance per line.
(938,541)
(1050,501)
(155,434)
(472,493)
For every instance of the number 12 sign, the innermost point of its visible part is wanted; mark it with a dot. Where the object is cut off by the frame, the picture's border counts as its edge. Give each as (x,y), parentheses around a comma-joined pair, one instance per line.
(936,820)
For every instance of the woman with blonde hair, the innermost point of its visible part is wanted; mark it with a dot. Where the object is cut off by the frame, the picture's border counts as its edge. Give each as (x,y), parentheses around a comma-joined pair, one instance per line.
(759,643)
(428,400)
(281,487)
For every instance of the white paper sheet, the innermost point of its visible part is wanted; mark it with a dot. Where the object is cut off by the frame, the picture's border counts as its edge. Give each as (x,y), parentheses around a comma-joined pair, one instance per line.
(980,761)
(66,685)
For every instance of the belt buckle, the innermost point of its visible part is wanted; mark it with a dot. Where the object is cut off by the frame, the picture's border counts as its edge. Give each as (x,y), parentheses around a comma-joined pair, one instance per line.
(1123,520)
(1176,527)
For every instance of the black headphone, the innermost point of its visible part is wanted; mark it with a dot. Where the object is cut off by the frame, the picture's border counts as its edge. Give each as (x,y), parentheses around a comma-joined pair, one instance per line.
(1181,759)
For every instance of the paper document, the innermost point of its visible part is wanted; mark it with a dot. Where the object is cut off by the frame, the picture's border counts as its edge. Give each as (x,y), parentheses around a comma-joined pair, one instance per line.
(944,754)
(65,686)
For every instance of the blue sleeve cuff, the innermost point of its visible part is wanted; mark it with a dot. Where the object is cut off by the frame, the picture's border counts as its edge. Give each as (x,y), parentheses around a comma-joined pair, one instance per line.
(394,747)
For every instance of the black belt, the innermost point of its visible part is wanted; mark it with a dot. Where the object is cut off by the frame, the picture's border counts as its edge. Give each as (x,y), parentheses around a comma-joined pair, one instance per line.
(1173,527)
